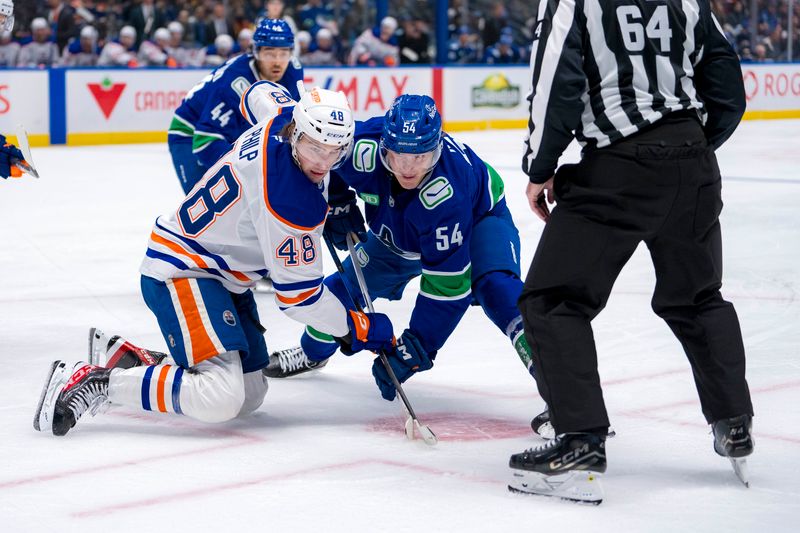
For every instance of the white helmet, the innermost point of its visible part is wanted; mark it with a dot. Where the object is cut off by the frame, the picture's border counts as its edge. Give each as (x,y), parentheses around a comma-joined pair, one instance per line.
(325,116)
(7,11)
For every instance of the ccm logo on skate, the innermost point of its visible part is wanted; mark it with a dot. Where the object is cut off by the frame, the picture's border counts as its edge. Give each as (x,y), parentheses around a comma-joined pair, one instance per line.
(569,457)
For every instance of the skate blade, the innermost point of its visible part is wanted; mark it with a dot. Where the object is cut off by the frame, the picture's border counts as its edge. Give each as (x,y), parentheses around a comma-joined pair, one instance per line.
(577,486)
(93,355)
(741,471)
(57,377)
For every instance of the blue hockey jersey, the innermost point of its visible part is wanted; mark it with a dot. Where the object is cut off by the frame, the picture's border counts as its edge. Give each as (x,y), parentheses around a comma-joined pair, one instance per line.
(432,223)
(209,112)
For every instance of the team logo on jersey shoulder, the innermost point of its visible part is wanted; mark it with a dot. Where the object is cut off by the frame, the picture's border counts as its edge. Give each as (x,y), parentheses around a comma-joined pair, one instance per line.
(371,199)
(229,317)
(240,85)
(434,193)
(364,154)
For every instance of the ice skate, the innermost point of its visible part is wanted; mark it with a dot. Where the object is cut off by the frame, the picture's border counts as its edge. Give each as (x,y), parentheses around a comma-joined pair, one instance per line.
(291,362)
(568,467)
(116,352)
(733,439)
(68,394)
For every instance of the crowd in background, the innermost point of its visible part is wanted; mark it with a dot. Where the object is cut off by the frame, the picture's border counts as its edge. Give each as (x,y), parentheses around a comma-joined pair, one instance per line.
(178,33)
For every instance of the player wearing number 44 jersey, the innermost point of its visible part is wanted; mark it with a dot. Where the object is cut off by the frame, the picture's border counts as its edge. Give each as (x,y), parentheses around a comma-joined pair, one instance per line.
(260,209)
(208,120)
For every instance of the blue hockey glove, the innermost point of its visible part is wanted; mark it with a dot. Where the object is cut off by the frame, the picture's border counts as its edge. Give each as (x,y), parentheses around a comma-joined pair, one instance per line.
(9,153)
(368,331)
(344,219)
(406,359)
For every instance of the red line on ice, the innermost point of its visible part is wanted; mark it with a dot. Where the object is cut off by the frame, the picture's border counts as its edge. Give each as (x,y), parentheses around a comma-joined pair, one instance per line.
(216,489)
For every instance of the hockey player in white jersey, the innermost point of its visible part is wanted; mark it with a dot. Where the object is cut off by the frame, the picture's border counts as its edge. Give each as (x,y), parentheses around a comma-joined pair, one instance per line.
(261,209)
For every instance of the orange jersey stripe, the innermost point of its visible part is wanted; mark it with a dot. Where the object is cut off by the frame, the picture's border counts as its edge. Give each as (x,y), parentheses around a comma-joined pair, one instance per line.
(239,276)
(178,250)
(202,347)
(297,299)
(162,379)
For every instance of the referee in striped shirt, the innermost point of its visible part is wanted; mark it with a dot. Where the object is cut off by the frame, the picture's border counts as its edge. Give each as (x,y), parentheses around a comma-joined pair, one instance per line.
(650,88)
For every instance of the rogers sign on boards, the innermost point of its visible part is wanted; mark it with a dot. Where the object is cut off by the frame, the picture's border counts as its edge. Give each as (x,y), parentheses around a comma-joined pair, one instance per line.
(771,85)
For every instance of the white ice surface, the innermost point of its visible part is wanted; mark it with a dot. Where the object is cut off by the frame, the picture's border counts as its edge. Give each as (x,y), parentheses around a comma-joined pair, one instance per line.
(325,452)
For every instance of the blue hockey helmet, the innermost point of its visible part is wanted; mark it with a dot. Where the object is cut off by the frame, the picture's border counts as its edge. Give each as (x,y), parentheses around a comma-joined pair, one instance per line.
(412,125)
(273,33)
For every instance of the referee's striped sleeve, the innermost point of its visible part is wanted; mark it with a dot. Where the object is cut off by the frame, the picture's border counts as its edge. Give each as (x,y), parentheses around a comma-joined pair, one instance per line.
(558,81)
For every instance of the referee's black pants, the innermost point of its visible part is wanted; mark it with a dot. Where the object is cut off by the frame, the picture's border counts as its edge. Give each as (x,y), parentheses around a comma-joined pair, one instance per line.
(661,186)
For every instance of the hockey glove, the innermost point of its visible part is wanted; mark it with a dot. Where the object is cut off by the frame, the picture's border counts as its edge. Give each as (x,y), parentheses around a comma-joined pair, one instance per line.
(344,219)
(368,331)
(407,358)
(9,154)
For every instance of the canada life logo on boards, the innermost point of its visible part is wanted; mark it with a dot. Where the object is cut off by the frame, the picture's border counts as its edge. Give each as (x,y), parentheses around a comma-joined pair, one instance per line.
(106,94)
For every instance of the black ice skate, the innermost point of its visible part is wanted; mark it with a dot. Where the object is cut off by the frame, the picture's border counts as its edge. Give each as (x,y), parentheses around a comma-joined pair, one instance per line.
(291,362)
(116,352)
(568,467)
(733,439)
(68,394)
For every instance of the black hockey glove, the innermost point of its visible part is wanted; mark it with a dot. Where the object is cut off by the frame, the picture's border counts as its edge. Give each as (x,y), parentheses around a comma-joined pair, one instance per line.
(344,219)
(406,359)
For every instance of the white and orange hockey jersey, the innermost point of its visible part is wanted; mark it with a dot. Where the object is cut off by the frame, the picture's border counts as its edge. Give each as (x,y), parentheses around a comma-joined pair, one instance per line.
(253,213)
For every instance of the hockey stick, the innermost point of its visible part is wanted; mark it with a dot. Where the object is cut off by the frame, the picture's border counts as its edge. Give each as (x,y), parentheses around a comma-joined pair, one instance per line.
(412,421)
(25,147)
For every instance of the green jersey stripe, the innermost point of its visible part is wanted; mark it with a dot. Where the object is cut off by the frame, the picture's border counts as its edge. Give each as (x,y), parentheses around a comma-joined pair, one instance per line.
(446,287)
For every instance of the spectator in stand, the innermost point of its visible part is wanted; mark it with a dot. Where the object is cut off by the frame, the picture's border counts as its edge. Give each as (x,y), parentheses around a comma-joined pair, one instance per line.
(302,45)
(199,25)
(244,41)
(218,24)
(220,51)
(273,9)
(120,52)
(41,52)
(315,15)
(184,19)
(9,50)
(462,50)
(414,42)
(155,53)
(503,52)
(146,18)
(761,54)
(61,17)
(377,46)
(183,56)
(324,52)
(494,24)
(82,52)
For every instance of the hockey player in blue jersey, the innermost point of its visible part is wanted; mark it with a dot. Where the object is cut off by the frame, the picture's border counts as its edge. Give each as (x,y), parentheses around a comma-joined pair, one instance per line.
(260,209)
(208,120)
(434,209)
